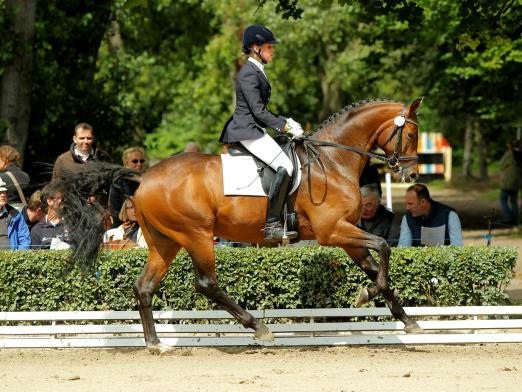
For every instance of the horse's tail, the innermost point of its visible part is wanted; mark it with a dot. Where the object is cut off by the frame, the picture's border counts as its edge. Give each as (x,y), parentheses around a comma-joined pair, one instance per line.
(84,217)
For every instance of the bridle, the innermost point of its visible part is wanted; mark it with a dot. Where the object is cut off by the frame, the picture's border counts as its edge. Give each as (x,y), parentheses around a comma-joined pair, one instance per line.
(393,160)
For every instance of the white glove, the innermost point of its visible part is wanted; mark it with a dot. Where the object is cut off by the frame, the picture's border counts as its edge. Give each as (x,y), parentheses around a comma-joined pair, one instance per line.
(294,128)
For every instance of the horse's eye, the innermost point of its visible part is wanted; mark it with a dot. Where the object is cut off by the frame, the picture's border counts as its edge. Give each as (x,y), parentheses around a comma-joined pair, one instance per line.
(410,137)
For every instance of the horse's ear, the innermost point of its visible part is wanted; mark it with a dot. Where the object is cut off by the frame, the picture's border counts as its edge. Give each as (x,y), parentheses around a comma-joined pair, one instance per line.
(414,106)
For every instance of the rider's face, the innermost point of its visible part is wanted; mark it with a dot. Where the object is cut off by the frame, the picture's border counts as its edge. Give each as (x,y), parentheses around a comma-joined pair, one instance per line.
(267,51)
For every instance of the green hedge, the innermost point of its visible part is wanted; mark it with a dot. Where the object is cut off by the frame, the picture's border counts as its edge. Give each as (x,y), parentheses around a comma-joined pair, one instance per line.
(257,278)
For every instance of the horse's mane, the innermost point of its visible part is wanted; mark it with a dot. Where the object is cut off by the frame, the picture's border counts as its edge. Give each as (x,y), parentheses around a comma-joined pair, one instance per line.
(347,109)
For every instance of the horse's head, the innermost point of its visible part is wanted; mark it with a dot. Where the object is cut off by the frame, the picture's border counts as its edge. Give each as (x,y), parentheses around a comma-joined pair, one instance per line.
(398,139)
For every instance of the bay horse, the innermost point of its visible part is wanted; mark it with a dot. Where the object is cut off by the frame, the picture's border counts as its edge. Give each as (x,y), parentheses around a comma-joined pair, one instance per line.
(180,203)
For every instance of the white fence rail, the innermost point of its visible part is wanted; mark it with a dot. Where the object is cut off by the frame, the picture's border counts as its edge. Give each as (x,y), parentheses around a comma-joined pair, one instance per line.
(292,327)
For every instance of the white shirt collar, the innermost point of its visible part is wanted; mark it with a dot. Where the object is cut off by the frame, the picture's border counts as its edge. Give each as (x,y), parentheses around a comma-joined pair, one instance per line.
(81,155)
(257,64)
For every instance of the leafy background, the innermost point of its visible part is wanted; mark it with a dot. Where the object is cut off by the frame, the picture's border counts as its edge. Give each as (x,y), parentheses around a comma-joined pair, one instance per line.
(160,73)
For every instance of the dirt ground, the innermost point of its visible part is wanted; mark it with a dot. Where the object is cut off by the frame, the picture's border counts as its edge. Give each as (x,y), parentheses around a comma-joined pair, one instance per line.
(420,368)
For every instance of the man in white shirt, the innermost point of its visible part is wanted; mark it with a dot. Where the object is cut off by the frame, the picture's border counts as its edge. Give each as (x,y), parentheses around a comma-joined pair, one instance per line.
(427,222)
(81,152)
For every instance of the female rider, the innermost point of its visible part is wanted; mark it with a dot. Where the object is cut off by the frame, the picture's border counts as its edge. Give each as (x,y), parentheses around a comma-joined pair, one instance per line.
(250,118)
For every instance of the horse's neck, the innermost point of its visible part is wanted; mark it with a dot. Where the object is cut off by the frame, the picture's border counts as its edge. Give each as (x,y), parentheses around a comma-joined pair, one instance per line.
(350,133)
(357,128)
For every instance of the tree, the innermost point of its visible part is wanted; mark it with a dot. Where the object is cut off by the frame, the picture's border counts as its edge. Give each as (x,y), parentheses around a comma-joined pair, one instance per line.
(16,82)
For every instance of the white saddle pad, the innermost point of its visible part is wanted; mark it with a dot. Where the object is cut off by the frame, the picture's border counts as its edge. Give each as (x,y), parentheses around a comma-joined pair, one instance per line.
(240,176)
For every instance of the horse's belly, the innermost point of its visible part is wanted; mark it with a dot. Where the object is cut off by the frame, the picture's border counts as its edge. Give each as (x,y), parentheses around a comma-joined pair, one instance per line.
(241,218)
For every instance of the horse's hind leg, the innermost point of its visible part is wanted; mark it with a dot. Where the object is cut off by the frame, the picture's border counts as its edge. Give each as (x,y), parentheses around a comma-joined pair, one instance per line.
(366,262)
(159,259)
(202,254)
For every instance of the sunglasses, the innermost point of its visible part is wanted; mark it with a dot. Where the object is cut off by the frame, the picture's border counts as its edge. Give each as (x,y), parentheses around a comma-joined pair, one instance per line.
(138,160)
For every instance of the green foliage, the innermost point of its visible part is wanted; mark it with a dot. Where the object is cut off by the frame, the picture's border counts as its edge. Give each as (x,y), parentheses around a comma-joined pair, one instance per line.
(310,277)
(161,73)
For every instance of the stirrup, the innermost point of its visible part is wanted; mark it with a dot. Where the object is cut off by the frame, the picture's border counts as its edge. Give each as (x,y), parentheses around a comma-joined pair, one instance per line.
(276,233)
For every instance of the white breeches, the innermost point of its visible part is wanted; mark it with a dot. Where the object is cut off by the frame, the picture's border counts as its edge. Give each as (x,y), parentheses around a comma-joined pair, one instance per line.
(269,152)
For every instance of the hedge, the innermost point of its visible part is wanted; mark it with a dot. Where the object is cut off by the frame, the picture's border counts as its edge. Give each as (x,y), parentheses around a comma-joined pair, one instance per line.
(300,277)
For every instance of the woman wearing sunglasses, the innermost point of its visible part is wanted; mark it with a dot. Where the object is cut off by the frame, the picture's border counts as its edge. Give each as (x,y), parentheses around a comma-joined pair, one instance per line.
(133,158)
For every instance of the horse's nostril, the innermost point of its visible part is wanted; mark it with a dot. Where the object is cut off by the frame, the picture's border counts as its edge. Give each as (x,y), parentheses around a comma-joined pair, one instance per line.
(414,176)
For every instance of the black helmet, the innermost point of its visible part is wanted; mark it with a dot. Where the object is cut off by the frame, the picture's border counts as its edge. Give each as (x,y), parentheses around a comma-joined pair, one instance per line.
(255,34)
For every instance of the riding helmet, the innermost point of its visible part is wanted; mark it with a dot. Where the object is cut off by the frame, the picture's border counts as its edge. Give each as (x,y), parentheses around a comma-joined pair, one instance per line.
(256,34)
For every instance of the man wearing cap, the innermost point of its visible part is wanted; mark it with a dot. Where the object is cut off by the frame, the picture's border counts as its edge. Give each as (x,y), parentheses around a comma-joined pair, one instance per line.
(14,233)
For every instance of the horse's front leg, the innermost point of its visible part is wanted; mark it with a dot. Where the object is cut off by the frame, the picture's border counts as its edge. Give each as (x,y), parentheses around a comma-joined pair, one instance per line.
(370,267)
(350,237)
(202,254)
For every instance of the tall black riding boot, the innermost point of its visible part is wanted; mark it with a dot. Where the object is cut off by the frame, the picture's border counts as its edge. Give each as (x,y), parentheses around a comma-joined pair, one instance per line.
(274,230)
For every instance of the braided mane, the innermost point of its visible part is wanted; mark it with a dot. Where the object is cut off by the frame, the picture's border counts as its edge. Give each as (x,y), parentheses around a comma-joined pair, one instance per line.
(347,109)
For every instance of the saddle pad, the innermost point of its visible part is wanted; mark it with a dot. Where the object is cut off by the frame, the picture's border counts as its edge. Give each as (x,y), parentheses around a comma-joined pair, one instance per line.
(240,176)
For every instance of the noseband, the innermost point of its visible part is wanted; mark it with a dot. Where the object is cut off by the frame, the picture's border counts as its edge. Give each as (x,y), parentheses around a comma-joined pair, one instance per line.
(394,160)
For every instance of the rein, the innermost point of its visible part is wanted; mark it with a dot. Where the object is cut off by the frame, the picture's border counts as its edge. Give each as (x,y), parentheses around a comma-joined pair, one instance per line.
(313,154)
(392,160)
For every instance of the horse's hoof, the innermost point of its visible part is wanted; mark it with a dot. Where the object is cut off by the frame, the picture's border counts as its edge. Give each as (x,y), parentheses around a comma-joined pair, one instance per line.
(364,297)
(159,349)
(264,334)
(413,328)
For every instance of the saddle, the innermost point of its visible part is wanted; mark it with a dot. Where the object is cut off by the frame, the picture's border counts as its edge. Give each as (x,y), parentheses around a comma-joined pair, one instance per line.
(267,174)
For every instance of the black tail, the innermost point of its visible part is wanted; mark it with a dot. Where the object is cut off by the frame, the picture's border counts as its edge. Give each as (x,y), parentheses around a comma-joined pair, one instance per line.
(84,218)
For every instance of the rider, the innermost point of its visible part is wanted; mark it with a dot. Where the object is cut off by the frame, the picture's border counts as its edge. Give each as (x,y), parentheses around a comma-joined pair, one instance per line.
(251,117)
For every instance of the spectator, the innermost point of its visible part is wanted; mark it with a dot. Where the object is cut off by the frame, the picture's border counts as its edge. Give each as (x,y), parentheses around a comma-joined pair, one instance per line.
(133,158)
(50,232)
(81,152)
(33,211)
(192,147)
(129,229)
(15,178)
(14,233)
(427,222)
(375,218)
(510,181)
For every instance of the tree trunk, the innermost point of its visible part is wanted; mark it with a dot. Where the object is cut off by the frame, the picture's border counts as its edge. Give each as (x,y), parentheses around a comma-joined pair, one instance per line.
(332,98)
(468,146)
(332,93)
(481,152)
(16,84)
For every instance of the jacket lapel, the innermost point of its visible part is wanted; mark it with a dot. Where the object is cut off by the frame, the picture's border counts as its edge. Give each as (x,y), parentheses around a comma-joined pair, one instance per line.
(265,84)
